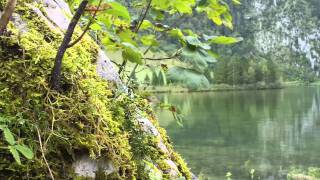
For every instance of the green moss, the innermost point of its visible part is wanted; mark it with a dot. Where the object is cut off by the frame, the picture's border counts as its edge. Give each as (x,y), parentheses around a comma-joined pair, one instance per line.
(85,118)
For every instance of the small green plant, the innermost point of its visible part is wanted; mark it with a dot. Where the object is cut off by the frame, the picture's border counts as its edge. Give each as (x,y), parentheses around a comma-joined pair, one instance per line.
(229,175)
(252,171)
(15,148)
(176,112)
(154,173)
(314,172)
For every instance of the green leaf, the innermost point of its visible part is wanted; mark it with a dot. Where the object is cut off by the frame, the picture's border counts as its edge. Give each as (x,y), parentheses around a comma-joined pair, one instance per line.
(3,119)
(161,4)
(217,20)
(148,40)
(106,19)
(183,6)
(177,33)
(217,11)
(236,2)
(127,36)
(95,27)
(187,77)
(157,15)
(131,53)
(118,10)
(213,55)
(25,151)
(227,20)
(195,59)
(9,136)
(193,41)
(146,24)
(15,154)
(224,40)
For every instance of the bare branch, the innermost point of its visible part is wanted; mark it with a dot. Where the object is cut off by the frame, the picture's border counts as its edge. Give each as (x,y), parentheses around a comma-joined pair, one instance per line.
(158,59)
(144,16)
(177,53)
(87,27)
(56,71)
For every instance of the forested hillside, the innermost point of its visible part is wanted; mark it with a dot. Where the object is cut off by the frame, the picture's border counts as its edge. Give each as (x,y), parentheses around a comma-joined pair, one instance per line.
(280,40)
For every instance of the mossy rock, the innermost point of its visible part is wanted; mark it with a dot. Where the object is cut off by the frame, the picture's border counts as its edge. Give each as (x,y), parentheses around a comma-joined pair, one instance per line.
(86,118)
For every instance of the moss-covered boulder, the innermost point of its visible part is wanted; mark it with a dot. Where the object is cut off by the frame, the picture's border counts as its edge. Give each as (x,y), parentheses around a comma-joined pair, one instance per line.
(94,128)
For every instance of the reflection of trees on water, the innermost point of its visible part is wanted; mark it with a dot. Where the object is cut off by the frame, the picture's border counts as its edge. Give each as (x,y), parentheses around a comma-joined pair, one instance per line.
(267,129)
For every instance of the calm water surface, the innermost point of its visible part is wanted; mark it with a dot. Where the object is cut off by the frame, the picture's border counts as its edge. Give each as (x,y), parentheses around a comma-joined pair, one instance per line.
(270,131)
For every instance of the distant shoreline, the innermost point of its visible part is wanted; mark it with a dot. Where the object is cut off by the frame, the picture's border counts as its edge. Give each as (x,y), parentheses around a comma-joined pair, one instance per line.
(226,87)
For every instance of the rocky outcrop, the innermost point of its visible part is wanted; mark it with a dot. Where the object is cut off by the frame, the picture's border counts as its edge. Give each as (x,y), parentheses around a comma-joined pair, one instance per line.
(286,25)
(285,31)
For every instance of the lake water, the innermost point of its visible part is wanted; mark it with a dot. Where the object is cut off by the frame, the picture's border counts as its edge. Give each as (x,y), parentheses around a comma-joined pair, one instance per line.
(270,131)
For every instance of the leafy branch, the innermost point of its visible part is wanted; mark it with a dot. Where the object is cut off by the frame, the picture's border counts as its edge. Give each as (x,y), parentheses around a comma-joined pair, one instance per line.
(124,63)
(15,148)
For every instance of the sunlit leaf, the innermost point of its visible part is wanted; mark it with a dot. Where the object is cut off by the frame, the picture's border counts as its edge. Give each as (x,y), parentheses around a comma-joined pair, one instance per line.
(183,6)
(224,40)
(236,2)
(118,10)
(227,20)
(95,27)
(146,25)
(161,4)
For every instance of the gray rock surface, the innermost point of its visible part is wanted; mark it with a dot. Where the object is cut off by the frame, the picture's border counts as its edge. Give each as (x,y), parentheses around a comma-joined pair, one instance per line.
(58,12)
(86,167)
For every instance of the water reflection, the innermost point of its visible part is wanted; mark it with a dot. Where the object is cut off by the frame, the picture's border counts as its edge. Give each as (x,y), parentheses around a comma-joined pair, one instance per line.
(237,131)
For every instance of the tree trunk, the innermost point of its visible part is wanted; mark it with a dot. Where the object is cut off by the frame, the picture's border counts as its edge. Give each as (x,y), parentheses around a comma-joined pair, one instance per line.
(11,4)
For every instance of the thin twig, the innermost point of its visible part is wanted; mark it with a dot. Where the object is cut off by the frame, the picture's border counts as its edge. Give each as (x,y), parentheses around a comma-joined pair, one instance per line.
(87,27)
(165,58)
(52,122)
(144,16)
(43,154)
(158,59)
(117,64)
